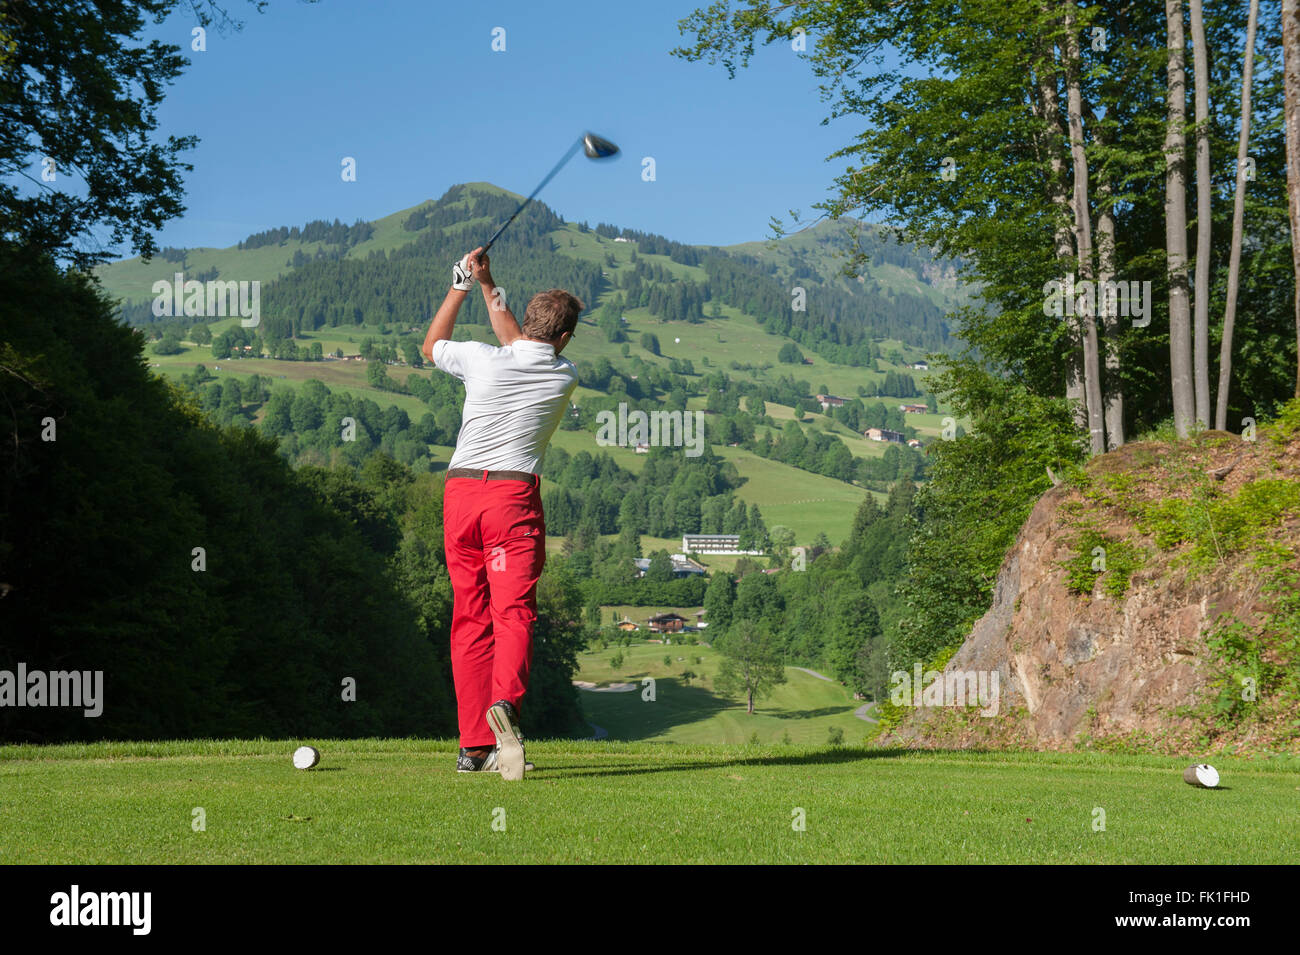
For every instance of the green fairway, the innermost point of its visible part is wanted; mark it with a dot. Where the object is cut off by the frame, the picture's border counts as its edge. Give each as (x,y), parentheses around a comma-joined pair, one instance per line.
(402,801)
(802,710)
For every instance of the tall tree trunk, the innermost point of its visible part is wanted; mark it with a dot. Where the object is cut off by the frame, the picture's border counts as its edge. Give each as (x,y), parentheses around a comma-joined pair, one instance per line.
(1083,235)
(1291,85)
(1114,403)
(1047,107)
(1180,337)
(1238,215)
(1201,302)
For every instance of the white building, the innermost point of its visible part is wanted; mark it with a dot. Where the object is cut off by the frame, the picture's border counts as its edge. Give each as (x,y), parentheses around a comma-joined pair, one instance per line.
(726,544)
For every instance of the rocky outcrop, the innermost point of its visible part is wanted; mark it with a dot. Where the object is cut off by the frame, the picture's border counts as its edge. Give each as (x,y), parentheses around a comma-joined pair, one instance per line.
(1075,670)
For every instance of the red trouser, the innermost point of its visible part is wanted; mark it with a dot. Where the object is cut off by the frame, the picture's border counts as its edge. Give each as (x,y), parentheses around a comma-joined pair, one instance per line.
(495,541)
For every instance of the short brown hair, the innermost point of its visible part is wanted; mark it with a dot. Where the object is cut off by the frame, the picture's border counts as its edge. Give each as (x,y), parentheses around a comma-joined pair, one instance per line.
(550,314)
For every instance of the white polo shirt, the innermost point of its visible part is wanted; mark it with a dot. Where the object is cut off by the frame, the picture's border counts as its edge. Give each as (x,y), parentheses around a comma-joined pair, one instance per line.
(515,398)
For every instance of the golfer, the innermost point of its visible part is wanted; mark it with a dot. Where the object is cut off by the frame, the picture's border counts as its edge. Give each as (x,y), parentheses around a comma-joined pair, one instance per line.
(494,531)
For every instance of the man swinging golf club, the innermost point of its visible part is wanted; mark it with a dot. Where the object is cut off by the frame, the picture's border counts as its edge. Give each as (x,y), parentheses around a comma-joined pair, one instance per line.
(494,532)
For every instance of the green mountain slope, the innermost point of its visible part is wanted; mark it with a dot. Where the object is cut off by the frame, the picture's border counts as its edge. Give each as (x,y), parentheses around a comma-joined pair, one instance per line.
(666,322)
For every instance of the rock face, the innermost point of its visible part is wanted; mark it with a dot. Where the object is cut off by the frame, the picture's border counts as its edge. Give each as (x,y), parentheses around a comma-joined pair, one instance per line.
(1073,661)
(1075,670)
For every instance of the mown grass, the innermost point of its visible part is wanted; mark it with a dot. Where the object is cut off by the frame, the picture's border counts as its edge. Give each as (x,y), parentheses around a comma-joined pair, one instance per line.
(686,709)
(401,801)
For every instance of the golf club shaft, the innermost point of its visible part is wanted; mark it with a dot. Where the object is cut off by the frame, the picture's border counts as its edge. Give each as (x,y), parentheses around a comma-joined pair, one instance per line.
(549,176)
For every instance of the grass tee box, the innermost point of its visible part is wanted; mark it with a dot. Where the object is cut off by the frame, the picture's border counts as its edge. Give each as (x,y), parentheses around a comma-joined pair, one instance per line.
(388,801)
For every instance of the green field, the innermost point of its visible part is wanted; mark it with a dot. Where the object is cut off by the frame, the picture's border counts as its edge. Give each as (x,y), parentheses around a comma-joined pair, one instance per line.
(803,709)
(805,502)
(390,801)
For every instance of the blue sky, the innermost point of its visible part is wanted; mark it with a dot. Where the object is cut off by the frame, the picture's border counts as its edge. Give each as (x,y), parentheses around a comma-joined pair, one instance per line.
(414,92)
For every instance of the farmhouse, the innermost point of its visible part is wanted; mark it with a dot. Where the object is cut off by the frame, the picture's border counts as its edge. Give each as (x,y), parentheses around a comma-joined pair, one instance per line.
(914,409)
(683,566)
(666,623)
(830,401)
(884,434)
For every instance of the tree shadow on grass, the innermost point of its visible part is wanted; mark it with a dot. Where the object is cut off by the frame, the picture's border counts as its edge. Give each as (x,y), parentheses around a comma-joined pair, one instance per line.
(809,714)
(827,756)
(628,717)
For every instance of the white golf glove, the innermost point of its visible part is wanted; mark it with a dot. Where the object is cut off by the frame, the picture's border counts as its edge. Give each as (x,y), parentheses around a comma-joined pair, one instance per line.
(461,276)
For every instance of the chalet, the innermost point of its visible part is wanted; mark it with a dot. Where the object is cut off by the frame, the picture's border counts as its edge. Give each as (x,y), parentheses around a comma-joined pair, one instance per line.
(683,566)
(714,544)
(884,434)
(642,448)
(913,443)
(807,361)
(830,401)
(700,624)
(666,623)
(627,625)
(921,365)
(914,409)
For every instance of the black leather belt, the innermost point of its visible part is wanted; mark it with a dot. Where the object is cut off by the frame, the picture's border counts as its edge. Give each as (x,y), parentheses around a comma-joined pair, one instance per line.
(479,475)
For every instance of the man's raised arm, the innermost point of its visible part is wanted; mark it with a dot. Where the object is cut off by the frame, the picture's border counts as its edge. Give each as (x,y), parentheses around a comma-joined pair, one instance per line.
(444,322)
(503,320)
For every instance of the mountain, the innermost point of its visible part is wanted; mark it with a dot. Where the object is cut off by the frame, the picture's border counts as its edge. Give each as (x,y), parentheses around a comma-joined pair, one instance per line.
(896,270)
(902,295)
(749,335)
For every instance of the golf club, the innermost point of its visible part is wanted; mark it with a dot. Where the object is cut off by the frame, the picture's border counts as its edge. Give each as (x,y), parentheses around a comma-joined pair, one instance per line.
(595,148)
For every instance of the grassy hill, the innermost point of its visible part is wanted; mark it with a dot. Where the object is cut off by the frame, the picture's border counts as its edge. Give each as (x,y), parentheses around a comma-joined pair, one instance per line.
(898,270)
(803,710)
(131,280)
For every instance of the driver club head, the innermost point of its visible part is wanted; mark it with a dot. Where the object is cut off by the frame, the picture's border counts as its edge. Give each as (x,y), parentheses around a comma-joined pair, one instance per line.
(597,148)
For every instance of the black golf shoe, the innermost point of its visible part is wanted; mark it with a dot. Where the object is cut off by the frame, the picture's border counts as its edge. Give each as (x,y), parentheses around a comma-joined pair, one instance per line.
(487,763)
(465,763)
